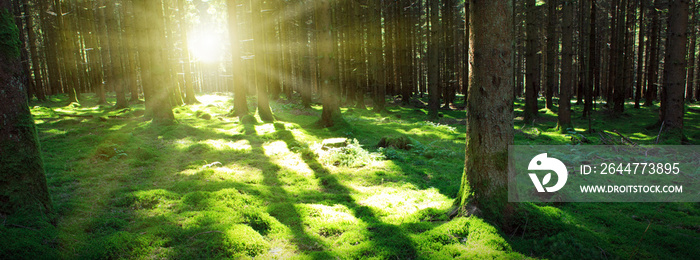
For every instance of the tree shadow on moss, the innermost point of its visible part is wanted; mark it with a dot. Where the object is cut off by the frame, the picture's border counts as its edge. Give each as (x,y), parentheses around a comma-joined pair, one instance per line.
(389,240)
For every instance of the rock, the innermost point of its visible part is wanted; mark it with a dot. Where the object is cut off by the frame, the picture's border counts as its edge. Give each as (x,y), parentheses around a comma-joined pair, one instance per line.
(334,143)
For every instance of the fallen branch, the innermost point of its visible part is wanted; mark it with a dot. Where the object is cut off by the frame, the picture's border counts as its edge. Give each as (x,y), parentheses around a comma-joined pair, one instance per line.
(660,129)
(624,138)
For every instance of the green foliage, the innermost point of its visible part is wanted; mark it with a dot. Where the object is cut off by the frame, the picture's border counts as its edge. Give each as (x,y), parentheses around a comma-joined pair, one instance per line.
(352,155)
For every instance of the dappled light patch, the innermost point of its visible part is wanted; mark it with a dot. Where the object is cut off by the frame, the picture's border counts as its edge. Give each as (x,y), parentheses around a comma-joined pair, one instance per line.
(328,221)
(351,155)
(227,145)
(276,148)
(396,205)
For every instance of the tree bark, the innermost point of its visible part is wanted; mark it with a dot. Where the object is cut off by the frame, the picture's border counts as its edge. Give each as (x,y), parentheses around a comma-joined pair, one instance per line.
(690,81)
(552,46)
(117,75)
(240,104)
(653,65)
(640,58)
(564,113)
(261,72)
(157,88)
(23,189)
(673,105)
(489,111)
(329,74)
(531,62)
(433,61)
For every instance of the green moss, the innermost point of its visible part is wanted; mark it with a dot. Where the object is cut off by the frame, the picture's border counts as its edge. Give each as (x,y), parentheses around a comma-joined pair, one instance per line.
(9,35)
(293,206)
(242,240)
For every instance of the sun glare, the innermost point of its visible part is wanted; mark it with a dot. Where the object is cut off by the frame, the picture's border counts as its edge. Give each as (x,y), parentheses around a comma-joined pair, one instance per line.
(206,45)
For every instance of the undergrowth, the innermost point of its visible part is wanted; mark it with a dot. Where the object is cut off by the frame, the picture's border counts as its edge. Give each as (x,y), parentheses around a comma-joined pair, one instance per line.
(212,186)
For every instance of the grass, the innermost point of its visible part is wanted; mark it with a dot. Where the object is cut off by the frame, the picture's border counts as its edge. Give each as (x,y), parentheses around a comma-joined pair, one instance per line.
(211,186)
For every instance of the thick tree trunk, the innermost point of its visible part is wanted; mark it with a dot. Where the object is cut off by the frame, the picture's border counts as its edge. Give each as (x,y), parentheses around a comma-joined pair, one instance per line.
(673,89)
(489,111)
(261,69)
(158,88)
(329,74)
(23,189)
(564,113)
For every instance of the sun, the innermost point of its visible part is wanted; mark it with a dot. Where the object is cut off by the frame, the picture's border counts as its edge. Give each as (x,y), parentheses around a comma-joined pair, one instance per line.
(206,45)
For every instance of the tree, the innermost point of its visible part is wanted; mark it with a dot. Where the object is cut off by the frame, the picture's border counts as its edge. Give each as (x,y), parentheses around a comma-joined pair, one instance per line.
(378,80)
(434,61)
(640,58)
(114,31)
(653,64)
(690,82)
(240,104)
(552,46)
(564,113)
(328,70)
(153,44)
(23,188)
(532,64)
(671,112)
(590,62)
(489,111)
(261,74)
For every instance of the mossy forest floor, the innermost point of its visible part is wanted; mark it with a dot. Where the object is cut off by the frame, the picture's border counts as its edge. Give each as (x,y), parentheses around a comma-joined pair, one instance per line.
(209,186)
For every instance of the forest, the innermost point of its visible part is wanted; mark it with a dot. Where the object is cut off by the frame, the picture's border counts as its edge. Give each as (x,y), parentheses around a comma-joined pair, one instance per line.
(336,129)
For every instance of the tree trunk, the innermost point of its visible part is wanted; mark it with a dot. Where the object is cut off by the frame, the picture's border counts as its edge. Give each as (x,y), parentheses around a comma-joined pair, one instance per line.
(434,62)
(117,79)
(673,105)
(23,189)
(240,104)
(261,72)
(157,89)
(329,74)
(640,58)
(564,113)
(489,111)
(591,64)
(653,65)
(691,54)
(552,47)
(531,63)
(377,57)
